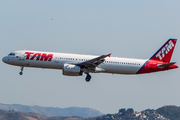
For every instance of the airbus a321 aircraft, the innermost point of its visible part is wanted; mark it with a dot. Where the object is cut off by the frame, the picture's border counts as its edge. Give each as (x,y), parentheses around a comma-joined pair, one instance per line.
(76,64)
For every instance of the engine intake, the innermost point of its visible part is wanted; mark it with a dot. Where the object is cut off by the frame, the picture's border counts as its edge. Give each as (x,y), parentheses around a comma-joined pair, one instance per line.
(72,70)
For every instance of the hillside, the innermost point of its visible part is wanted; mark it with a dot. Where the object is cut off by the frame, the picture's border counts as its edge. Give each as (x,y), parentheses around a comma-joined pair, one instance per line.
(52,111)
(12,115)
(171,112)
(123,114)
(163,113)
(130,114)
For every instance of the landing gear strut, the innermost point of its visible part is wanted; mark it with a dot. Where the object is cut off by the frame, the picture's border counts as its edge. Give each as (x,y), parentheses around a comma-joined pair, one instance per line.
(20,73)
(88,77)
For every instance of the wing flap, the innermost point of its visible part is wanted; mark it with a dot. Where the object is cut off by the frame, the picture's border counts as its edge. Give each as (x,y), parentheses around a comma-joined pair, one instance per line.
(95,61)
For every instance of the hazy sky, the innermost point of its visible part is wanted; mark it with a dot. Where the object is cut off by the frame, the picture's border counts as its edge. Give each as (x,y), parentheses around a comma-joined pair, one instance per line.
(125,28)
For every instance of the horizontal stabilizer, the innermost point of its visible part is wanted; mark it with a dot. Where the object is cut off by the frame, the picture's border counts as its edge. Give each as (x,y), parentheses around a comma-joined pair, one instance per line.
(165,65)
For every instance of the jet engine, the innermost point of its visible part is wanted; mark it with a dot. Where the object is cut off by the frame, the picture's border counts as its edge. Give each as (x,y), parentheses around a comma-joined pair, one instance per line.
(72,70)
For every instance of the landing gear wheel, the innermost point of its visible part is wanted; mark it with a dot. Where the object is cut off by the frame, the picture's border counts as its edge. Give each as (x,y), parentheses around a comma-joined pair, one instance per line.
(88,78)
(20,73)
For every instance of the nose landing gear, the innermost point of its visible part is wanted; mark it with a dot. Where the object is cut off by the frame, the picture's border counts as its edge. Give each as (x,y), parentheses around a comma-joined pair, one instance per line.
(88,77)
(20,73)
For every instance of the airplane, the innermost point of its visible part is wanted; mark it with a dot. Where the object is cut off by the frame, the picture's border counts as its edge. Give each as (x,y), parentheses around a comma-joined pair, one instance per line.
(77,64)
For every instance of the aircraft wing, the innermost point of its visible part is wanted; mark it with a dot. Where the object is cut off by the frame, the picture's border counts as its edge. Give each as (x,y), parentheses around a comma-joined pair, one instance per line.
(94,62)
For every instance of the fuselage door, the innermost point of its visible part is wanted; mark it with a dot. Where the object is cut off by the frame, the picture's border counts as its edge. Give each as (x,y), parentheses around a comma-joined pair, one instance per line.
(21,59)
(21,56)
(56,60)
(147,66)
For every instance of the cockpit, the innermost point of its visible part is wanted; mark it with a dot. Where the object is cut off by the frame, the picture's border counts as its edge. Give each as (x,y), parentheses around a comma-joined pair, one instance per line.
(11,54)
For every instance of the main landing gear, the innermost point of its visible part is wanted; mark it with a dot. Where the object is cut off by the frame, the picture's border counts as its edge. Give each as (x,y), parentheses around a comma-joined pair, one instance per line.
(20,73)
(88,77)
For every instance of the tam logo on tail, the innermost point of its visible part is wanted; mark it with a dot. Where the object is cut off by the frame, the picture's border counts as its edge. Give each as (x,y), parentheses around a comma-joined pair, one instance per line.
(165,52)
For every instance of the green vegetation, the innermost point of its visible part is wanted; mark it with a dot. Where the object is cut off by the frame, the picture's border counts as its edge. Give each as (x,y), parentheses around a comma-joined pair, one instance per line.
(171,112)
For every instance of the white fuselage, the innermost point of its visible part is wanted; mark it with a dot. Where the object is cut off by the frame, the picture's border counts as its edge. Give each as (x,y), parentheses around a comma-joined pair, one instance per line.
(115,65)
(77,64)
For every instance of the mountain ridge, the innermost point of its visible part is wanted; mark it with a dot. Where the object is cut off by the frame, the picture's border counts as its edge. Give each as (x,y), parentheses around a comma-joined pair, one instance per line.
(169,112)
(53,111)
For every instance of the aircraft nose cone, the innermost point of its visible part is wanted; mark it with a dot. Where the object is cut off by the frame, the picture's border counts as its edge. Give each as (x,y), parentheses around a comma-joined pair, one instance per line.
(8,60)
(5,59)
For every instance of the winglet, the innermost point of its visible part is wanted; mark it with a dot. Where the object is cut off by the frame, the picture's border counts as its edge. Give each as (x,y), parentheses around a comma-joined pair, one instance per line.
(109,55)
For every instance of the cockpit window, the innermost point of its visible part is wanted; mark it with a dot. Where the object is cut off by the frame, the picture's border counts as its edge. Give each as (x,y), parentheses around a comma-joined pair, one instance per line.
(11,54)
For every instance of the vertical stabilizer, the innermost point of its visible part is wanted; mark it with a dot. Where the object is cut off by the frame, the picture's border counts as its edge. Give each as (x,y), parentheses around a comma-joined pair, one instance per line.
(165,52)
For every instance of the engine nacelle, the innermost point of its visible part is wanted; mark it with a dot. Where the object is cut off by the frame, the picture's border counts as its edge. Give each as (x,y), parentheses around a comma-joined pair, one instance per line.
(71,70)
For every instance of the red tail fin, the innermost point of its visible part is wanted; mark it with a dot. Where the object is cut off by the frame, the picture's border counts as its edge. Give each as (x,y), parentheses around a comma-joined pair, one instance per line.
(165,52)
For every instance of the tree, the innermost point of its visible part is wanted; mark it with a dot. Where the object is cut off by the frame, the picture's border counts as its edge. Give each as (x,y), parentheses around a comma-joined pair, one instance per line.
(122,111)
(129,111)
